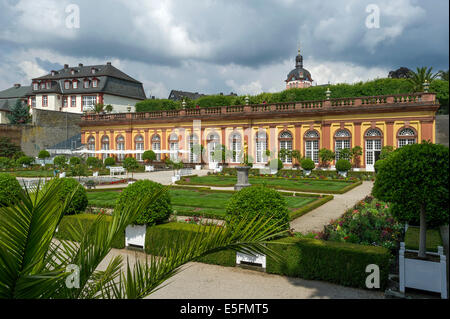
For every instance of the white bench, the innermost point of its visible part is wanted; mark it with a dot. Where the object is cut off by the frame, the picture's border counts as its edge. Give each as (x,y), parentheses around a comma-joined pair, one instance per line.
(116,170)
(186,172)
(149,168)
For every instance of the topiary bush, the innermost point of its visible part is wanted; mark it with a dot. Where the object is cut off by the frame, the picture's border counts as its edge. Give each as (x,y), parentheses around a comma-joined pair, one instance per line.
(110,161)
(9,190)
(25,160)
(158,211)
(343,165)
(74,161)
(308,164)
(79,200)
(259,201)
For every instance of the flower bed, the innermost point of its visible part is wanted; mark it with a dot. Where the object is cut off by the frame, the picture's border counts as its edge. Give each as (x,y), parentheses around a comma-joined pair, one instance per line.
(369,222)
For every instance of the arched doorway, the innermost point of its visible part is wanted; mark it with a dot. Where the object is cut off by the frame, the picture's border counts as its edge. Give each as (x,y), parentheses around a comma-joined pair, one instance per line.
(213,145)
(374,143)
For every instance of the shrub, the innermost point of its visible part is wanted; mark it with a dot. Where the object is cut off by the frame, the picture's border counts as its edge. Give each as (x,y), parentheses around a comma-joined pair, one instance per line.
(44,154)
(385,151)
(308,164)
(93,162)
(343,165)
(25,160)
(340,263)
(60,161)
(130,164)
(149,156)
(79,199)
(326,156)
(259,201)
(9,190)
(75,161)
(414,178)
(5,163)
(276,163)
(110,161)
(158,211)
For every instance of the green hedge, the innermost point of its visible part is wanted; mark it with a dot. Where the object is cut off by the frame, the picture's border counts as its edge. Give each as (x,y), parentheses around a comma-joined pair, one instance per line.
(309,207)
(86,221)
(336,262)
(412,237)
(166,233)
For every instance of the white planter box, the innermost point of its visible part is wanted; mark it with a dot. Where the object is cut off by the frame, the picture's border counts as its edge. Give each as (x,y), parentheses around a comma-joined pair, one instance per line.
(129,183)
(175,178)
(423,274)
(307,173)
(343,174)
(149,168)
(356,169)
(198,167)
(135,235)
(95,174)
(62,175)
(257,259)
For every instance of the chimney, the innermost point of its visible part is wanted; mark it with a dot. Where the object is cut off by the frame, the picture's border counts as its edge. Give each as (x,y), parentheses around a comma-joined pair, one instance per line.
(80,65)
(66,66)
(17,85)
(108,63)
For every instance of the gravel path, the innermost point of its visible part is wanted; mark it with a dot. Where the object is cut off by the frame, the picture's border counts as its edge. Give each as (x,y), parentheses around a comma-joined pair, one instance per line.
(203,281)
(316,219)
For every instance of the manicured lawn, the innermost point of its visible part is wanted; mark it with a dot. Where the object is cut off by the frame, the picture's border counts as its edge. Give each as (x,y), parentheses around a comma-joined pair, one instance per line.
(301,185)
(196,202)
(31,173)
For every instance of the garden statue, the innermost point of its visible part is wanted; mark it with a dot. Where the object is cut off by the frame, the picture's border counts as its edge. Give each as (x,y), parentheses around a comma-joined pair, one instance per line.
(242,172)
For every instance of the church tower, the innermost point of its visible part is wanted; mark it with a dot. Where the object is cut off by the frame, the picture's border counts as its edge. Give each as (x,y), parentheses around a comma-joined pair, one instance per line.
(299,77)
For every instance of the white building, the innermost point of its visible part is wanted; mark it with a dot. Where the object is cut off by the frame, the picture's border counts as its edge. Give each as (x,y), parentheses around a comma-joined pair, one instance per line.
(78,89)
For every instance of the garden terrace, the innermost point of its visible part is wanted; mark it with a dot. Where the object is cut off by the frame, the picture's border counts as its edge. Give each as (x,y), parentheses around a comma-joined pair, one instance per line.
(290,184)
(203,202)
(369,104)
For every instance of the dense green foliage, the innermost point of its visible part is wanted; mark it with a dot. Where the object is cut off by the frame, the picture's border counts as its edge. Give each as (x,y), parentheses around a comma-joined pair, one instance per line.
(110,161)
(385,151)
(434,239)
(385,86)
(340,263)
(157,212)
(83,222)
(7,148)
(44,154)
(308,164)
(79,201)
(25,160)
(9,190)
(74,161)
(149,156)
(166,233)
(60,161)
(20,113)
(343,165)
(326,156)
(94,162)
(130,164)
(413,177)
(260,202)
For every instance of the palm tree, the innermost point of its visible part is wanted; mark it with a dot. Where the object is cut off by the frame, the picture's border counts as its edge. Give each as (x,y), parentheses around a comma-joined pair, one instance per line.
(34,265)
(443,75)
(418,78)
(109,108)
(99,108)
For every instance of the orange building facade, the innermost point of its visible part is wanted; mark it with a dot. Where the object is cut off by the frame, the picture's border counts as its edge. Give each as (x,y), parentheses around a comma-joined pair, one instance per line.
(307,126)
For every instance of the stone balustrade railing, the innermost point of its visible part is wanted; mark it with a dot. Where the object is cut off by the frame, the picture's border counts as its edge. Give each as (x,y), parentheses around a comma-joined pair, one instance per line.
(301,106)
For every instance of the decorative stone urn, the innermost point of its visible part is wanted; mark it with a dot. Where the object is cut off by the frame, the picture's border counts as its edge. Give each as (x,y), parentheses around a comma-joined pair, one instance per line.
(242,178)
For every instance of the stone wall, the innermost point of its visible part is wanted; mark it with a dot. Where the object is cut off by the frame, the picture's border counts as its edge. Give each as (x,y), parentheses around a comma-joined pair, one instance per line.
(47,129)
(442,127)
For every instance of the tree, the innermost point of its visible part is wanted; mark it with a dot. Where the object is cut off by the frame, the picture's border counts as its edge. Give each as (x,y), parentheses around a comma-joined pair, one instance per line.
(8,148)
(19,113)
(99,108)
(385,151)
(443,75)
(35,266)
(326,156)
(43,155)
(109,108)
(94,162)
(400,73)
(414,178)
(356,155)
(418,78)
(149,156)
(25,160)
(130,164)
(60,162)
(297,155)
(110,161)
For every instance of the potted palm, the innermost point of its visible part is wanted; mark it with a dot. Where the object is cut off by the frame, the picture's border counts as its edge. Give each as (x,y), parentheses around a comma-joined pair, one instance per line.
(356,153)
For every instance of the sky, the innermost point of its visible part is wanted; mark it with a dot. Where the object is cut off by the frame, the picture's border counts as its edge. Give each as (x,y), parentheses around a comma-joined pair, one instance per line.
(213,46)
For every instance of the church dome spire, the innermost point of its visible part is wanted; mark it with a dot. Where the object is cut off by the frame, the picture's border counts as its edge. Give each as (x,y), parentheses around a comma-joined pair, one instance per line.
(299,77)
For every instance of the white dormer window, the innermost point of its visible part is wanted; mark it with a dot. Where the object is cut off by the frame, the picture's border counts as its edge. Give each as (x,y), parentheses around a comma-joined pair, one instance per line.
(53,73)
(75,84)
(86,84)
(93,70)
(73,72)
(48,85)
(95,83)
(67,85)
(42,85)
(35,86)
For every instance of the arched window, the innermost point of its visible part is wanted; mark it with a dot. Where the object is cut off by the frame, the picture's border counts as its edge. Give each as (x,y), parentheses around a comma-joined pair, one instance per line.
(105,146)
(342,141)
(286,144)
(194,148)
(213,144)
(373,140)
(236,147)
(173,146)
(312,139)
(406,136)
(156,146)
(120,142)
(91,145)
(139,146)
(261,147)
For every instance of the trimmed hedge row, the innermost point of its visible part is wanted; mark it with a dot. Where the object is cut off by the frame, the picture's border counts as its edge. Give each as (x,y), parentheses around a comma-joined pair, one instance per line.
(309,207)
(86,221)
(340,263)
(165,233)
